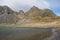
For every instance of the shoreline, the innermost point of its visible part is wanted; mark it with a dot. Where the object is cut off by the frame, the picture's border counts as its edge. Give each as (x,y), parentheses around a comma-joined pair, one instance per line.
(40,25)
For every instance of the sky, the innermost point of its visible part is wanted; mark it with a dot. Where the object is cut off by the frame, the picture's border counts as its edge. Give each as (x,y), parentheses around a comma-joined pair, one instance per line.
(25,5)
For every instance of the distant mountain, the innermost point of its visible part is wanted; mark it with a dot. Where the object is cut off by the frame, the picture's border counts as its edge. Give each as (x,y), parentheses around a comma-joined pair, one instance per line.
(7,15)
(48,13)
(34,11)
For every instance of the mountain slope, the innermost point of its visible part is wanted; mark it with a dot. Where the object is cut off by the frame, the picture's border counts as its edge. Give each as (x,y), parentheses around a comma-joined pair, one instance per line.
(37,15)
(7,15)
(34,11)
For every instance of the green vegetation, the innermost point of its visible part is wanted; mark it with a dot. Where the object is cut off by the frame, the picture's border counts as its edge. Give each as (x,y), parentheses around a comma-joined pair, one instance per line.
(45,19)
(12,25)
(38,19)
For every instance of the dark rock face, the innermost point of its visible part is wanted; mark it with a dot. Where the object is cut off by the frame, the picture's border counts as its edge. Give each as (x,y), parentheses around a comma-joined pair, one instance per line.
(6,9)
(7,18)
(6,15)
(1,10)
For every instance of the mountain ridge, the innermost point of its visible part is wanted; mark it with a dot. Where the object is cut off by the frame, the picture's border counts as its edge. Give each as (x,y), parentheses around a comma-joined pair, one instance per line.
(31,15)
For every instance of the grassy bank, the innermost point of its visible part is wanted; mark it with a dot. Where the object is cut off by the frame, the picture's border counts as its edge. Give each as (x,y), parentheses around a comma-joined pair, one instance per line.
(52,24)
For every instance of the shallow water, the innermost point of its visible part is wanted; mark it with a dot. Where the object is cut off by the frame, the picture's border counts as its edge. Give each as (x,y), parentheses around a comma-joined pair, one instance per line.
(26,33)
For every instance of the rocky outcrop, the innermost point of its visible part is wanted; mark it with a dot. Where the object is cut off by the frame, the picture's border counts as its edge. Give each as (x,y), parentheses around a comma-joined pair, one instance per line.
(7,15)
(47,13)
(21,14)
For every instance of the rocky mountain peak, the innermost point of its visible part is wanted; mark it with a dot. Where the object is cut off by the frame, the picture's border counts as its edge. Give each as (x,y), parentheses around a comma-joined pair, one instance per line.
(35,8)
(21,14)
(21,11)
(7,15)
(5,9)
(33,11)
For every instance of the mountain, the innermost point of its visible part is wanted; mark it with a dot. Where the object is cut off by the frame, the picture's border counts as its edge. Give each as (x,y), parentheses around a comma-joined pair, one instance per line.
(6,9)
(7,15)
(20,17)
(35,15)
(48,13)
(21,14)
(34,11)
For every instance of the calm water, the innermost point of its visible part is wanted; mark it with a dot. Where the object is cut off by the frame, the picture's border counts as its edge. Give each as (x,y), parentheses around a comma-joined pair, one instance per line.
(24,33)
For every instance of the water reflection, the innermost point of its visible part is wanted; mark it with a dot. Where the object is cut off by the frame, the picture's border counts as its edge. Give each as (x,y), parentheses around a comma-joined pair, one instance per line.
(24,33)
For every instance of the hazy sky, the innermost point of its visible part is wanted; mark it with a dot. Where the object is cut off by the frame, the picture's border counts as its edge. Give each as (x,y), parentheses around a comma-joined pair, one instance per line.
(27,4)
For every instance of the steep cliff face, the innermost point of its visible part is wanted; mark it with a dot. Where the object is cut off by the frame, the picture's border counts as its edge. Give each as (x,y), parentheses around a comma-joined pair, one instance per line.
(7,15)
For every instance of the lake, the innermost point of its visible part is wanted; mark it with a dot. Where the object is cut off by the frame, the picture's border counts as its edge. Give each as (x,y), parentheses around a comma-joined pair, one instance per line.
(28,33)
